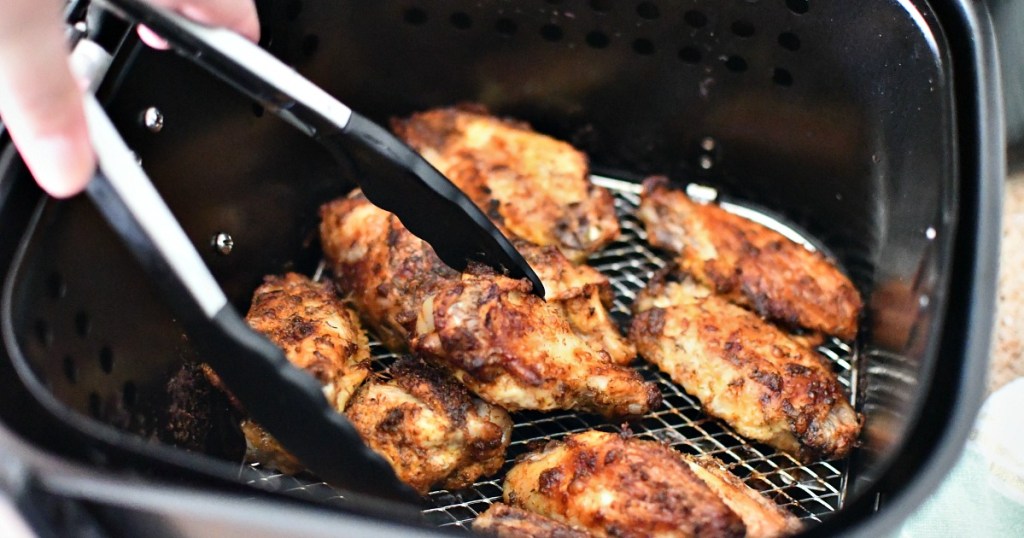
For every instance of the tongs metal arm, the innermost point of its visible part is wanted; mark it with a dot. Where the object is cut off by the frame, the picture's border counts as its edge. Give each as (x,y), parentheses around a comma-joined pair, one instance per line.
(393,176)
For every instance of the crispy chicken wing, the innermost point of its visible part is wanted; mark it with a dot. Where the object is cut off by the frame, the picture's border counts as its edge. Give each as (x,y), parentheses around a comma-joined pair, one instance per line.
(744,370)
(750,264)
(612,485)
(508,346)
(584,295)
(517,351)
(762,517)
(428,426)
(317,333)
(530,184)
(384,269)
(503,521)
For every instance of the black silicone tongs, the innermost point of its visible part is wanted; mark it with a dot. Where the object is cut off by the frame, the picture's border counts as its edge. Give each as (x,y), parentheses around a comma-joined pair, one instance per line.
(282,398)
(392,175)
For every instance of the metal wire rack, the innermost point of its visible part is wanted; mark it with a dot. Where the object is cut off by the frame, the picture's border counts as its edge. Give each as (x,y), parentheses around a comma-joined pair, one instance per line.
(809,491)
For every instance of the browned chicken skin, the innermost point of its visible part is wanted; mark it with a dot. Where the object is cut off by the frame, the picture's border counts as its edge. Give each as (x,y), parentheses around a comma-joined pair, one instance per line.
(584,295)
(503,521)
(530,184)
(744,370)
(762,517)
(384,269)
(428,426)
(612,485)
(317,333)
(750,264)
(508,346)
(517,351)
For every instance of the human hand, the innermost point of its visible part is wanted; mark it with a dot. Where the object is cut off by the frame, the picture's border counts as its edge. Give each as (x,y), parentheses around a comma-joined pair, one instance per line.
(40,101)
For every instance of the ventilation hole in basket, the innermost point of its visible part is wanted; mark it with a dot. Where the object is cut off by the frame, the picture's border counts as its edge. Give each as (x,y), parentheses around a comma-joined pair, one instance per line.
(56,287)
(44,333)
(598,40)
(689,55)
(643,46)
(736,64)
(798,6)
(647,10)
(782,77)
(743,28)
(107,359)
(257,110)
(129,394)
(309,46)
(695,18)
(293,9)
(789,41)
(415,16)
(83,324)
(506,27)
(551,32)
(94,404)
(70,370)
(461,20)
(601,6)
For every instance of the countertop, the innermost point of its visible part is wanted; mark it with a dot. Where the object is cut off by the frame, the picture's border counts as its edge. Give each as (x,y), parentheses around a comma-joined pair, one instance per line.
(1008,352)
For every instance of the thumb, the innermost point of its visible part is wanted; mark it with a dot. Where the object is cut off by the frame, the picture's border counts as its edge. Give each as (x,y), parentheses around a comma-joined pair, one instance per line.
(40,103)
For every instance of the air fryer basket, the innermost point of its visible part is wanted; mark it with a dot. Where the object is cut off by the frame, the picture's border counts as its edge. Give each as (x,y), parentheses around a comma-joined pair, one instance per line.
(870,129)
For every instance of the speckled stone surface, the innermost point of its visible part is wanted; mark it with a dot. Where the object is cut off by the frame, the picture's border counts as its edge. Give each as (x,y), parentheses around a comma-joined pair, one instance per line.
(1008,352)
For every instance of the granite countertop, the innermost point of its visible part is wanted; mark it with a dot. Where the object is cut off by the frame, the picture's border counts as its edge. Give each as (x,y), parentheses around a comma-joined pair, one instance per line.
(1008,352)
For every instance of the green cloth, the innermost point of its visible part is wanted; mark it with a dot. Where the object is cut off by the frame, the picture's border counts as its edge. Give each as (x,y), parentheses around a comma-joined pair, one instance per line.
(983,496)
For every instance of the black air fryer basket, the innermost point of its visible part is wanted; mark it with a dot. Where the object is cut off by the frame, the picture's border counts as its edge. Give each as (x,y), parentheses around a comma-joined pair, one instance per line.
(871,130)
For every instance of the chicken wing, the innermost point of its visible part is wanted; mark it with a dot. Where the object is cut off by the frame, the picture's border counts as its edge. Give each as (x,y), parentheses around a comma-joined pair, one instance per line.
(584,295)
(750,264)
(762,517)
(517,351)
(503,521)
(317,333)
(508,346)
(530,184)
(613,485)
(428,426)
(744,370)
(385,270)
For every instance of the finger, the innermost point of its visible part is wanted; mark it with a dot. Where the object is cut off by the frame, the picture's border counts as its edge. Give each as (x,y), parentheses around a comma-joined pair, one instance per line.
(40,103)
(151,38)
(238,15)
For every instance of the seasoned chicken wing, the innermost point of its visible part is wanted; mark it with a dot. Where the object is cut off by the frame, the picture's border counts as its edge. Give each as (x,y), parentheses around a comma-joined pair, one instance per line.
(317,333)
(762,517)
(530,184)
(744,370)
(503,521)
(750,264)
(385,270)
(508,346)
(517,351)
(428,426)
(584,295)
(613,485)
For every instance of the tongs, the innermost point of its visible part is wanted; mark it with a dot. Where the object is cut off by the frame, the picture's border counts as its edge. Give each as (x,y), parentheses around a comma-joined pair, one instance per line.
(283,399)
